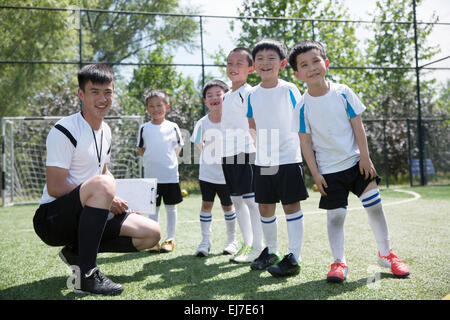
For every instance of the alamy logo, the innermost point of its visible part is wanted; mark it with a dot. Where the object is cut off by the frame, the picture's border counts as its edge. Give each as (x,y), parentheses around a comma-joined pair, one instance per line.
(373,281)
(73,282)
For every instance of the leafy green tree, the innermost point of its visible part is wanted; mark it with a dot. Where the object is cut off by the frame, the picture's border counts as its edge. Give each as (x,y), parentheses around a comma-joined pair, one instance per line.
(339,38)
(391,92)
(53,35)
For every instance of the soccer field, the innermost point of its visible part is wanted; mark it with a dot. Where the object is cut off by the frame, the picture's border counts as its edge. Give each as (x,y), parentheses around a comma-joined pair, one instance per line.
(419,225)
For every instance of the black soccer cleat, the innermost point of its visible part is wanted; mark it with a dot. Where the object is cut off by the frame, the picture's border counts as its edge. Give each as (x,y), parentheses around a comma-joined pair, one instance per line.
(286,267)
(264,260)
(97,283)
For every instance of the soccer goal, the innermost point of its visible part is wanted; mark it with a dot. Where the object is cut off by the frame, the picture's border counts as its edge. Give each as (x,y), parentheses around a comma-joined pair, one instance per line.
(23,154)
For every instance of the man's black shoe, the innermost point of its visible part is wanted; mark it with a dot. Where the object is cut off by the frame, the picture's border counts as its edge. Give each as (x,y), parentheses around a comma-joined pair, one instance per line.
(264,260)
(286,267)
(97,283)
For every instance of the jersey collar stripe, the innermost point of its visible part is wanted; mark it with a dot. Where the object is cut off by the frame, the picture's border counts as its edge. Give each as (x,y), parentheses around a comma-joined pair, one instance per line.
(67,134)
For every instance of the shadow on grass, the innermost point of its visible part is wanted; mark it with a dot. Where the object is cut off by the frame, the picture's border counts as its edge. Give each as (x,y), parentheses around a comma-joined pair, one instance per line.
(206,281)
(198,279)
(46,289)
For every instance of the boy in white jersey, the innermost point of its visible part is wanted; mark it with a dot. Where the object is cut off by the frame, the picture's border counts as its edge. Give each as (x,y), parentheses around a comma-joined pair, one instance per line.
(78,208)
(239,155)
(160,142)
(334,144)
(208,138)
(279,171)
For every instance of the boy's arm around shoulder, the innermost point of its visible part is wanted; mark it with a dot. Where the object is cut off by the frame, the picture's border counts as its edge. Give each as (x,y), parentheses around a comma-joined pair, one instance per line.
(366,166)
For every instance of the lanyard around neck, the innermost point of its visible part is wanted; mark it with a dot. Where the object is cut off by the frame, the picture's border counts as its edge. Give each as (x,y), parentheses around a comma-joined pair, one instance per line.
(99,154)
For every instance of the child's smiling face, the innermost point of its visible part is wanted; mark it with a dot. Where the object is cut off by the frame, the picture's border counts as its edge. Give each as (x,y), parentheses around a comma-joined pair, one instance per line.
(268,64)
(214,99)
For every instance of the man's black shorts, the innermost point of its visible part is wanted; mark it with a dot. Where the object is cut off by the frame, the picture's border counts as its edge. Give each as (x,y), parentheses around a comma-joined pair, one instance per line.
(239,173)
(340,184)
(283,183)
(56,222)
(170,193)
(209,191)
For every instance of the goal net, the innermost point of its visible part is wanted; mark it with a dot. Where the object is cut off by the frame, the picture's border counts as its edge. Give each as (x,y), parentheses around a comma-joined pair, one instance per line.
(24,154)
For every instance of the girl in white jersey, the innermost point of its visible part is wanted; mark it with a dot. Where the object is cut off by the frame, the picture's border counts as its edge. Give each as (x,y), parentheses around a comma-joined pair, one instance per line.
(208,138)
(160,142)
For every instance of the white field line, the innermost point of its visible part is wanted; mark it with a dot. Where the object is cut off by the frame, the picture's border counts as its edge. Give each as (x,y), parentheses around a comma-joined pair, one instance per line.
(415,197)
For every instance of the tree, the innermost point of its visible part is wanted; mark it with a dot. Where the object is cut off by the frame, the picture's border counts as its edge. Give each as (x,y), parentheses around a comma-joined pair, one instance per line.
(33,35)
(391,92)
(52,35)
(339,38)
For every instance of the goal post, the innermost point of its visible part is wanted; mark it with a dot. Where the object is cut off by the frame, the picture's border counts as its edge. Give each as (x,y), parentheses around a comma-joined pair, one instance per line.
(23,154)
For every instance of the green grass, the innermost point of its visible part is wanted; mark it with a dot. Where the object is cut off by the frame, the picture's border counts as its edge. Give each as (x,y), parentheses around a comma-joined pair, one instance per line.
(419,229)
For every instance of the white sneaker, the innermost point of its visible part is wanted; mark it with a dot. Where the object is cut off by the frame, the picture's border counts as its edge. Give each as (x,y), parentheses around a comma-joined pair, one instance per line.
(248,255)
(231,248)
(203,249)
(242,251)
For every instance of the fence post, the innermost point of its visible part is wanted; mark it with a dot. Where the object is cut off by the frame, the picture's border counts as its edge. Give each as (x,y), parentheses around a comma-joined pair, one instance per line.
(408,127)
(419,105)
(203,61)
(386,159)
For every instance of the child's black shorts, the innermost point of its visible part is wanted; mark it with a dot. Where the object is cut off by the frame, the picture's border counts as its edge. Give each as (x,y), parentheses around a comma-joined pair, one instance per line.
(239,173)
(169,192)
(209,191)
(283,183)
(339,185)
(56,222)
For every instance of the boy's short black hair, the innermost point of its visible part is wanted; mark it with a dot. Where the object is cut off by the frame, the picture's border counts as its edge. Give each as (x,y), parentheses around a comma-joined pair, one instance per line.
(157,93)
(305,46)
(247,53)
(214,83)
(270,44)
(96,73)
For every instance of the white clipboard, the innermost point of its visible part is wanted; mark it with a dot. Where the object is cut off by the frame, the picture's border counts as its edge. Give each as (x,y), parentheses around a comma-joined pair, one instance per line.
(140,194)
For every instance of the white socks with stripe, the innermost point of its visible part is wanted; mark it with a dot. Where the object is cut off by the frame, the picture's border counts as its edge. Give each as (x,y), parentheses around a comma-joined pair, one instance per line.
(335,228)
(371,200)
(205,224)
(230,222)
(270,229)
(294,222)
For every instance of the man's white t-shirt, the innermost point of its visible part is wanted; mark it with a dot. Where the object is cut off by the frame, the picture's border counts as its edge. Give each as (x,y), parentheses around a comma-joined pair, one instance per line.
(327,119)
(71,145)
(210,161)
(272,110)
(234,123)
(160,160)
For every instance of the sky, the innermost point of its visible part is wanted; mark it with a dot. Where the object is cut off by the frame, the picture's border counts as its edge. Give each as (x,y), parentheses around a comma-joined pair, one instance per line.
(217,32)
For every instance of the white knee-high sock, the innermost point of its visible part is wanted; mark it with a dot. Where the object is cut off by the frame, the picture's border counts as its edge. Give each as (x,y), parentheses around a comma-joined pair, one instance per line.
(171,214)
(270,230)
(205,224)
(243,218)
(294,222)
(230,222)
(371,200)
(335,228)
(155,217)
(255,218)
